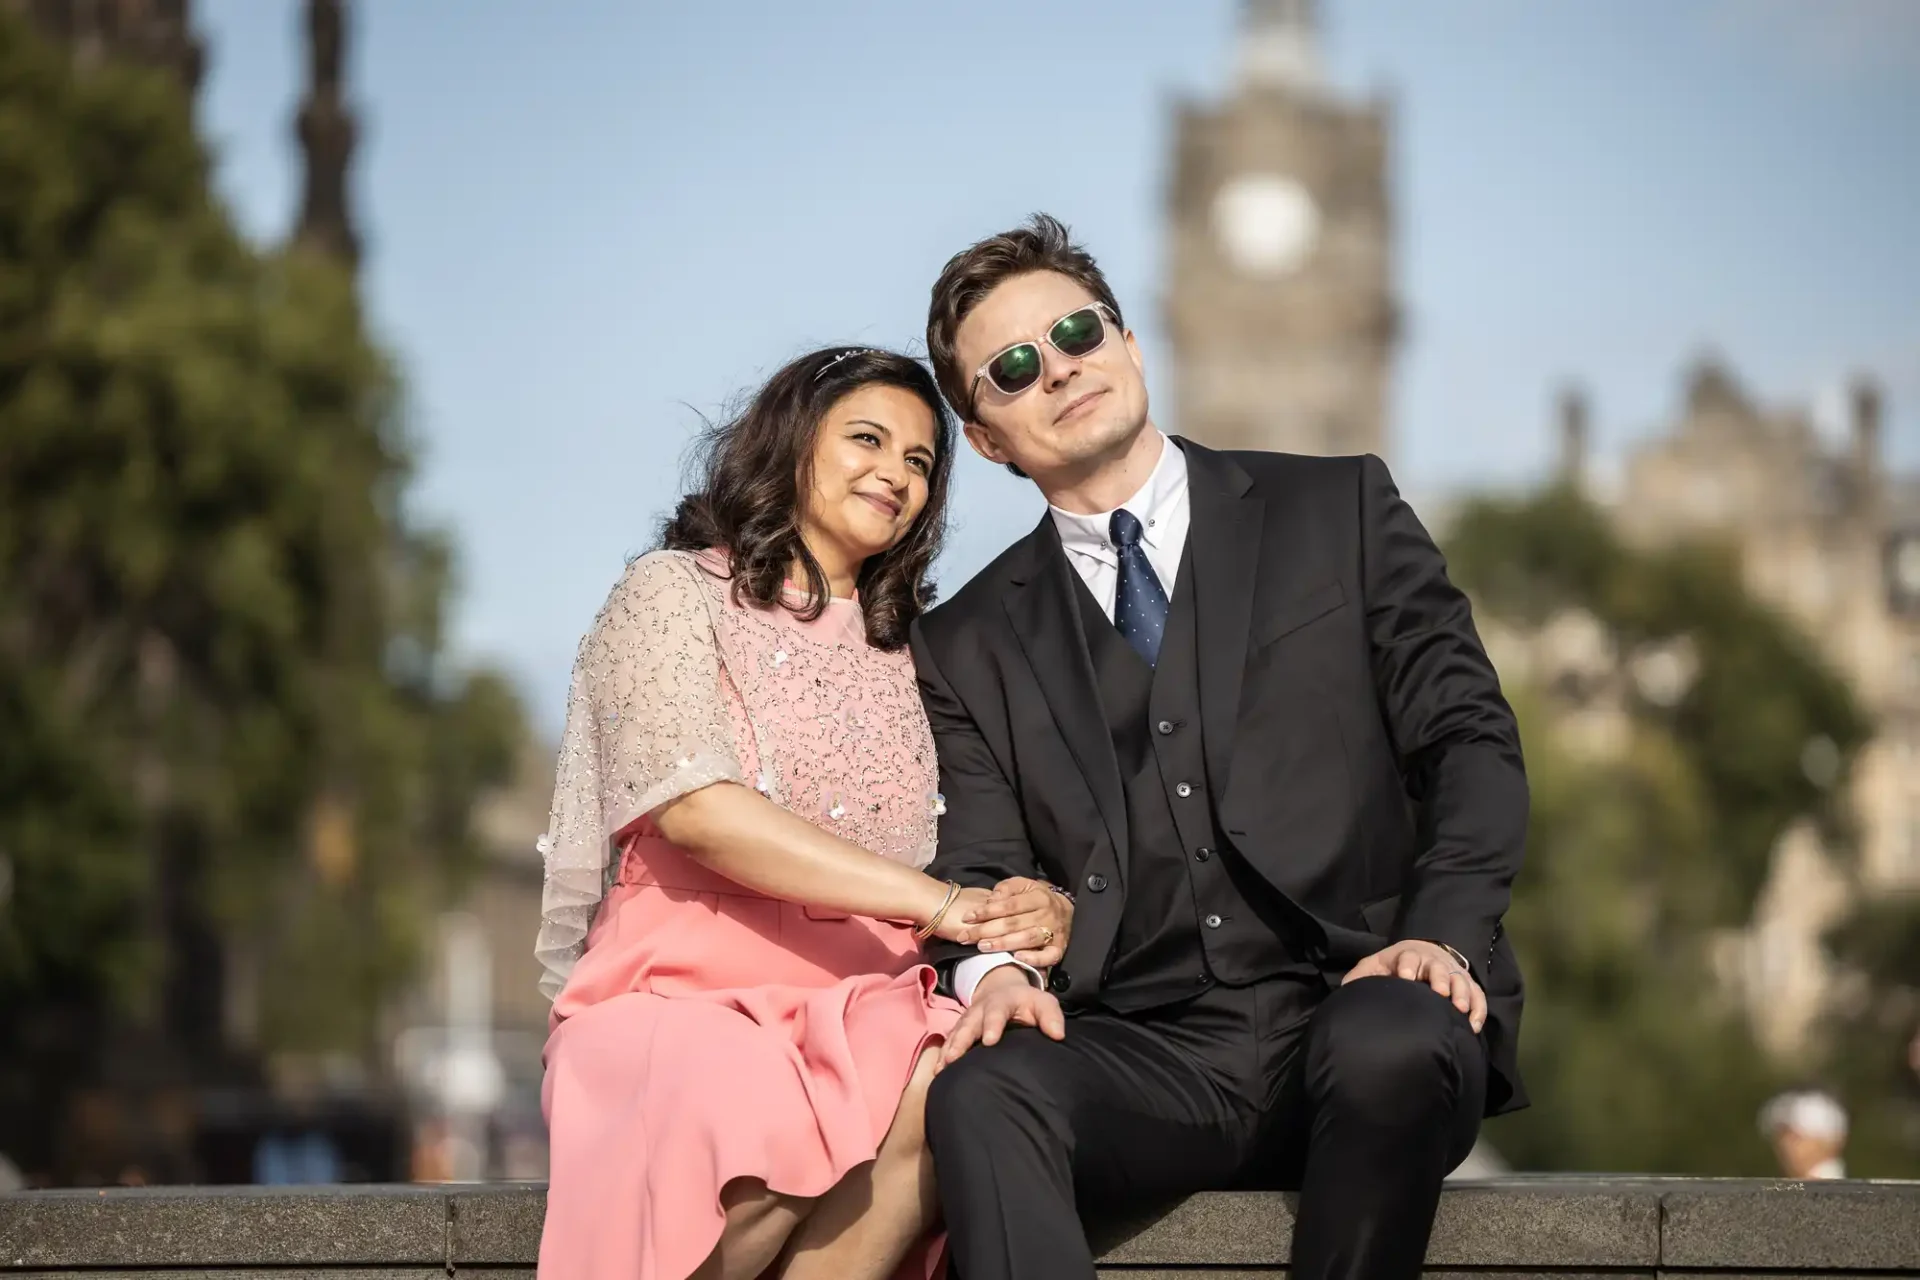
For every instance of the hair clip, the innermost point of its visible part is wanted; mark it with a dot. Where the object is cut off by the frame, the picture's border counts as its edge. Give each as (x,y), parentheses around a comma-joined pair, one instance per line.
(850,351)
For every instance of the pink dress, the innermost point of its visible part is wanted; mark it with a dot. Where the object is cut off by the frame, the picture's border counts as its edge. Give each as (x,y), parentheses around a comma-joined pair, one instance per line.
(707,1032)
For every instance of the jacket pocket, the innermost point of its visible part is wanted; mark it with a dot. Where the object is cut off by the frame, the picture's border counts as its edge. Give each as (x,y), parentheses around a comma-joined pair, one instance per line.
(1299,611)
(1379,915)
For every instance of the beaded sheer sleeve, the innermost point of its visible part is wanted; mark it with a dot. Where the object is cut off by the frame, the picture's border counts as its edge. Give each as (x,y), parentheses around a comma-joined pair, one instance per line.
(646,723)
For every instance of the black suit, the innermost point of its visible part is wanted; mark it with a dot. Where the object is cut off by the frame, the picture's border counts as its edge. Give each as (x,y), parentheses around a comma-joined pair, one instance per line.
(1363,775)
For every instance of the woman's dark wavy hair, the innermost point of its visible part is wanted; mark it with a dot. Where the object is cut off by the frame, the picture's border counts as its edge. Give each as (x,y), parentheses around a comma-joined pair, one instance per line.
(753,468)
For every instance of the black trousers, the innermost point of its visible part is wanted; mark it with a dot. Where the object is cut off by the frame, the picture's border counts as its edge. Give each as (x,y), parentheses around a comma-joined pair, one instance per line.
(1363,1098)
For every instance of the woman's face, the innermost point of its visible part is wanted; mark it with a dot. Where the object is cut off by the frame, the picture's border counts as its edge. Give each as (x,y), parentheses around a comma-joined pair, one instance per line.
(872,460)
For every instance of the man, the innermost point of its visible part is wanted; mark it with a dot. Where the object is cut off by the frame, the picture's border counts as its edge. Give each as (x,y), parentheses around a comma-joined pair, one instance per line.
(1808,1130)
(1232,703)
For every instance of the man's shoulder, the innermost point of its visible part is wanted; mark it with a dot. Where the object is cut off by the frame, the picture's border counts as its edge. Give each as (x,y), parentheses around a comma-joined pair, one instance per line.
(1269,468)
(978,600)
(978,596)
(1335,486)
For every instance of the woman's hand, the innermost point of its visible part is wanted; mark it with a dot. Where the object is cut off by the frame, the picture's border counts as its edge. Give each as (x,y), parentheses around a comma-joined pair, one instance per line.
(1026,917)
(953,926)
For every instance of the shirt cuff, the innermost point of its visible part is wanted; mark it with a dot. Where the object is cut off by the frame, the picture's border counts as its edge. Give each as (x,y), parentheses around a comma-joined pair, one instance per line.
(967,974)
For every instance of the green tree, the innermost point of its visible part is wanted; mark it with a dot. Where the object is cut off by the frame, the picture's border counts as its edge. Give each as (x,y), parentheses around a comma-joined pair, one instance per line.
(228,725)
(1635,1054)
(1875,1034)
(1762,695)
(1636,1060)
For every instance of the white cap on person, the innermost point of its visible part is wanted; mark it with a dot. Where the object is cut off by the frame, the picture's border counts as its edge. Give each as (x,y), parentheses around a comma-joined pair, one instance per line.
(1809,1112)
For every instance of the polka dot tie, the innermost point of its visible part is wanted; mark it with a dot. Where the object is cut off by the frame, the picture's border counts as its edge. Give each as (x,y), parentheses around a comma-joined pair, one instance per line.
(1139,601)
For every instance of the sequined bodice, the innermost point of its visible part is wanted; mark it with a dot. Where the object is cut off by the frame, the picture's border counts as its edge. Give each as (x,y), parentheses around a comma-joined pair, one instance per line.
(829,726)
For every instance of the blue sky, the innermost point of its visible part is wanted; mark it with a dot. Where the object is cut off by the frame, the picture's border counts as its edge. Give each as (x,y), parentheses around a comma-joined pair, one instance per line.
(589,224)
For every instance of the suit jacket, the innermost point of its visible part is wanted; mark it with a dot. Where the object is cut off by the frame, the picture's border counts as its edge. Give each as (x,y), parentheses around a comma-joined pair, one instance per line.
(1357,746)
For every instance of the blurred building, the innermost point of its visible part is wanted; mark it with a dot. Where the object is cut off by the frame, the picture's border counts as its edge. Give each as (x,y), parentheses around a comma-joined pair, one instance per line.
(1280,301)
(469,1036)
(1829,537)
(1825,535)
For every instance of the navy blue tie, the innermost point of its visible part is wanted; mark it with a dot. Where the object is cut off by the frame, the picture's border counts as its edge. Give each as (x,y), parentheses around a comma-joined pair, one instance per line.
(1139,601)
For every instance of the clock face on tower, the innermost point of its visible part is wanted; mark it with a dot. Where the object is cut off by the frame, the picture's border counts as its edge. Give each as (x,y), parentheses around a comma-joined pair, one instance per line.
(1280,287)
(1266,224)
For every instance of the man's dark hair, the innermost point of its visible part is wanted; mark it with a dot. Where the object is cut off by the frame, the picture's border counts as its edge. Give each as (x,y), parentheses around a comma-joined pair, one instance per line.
(1042,243)
(753,471)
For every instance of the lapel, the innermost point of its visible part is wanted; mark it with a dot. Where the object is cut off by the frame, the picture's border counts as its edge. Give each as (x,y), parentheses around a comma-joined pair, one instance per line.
(1224,533)
(1046,619)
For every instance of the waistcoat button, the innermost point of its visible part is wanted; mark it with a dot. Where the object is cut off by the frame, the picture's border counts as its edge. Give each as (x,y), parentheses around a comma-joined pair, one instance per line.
(1096,882)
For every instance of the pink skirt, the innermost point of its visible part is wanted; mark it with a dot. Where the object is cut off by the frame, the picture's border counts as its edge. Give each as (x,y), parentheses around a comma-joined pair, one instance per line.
(710,1034)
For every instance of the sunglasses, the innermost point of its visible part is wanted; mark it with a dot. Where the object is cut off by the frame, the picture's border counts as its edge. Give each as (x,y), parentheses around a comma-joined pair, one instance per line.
(1074,335)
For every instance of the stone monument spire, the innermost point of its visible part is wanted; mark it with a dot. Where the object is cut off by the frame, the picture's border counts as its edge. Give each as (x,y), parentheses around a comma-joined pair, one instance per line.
(1280,45)
(327,133)
(1575,436)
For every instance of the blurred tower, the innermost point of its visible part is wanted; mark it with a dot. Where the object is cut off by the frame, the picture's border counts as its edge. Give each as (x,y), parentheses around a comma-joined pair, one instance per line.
(1280,301)
(327,135)
(1575,437)
(157,33)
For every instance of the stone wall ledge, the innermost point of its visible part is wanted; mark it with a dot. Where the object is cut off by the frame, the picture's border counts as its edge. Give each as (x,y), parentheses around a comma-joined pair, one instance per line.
(1558,1226)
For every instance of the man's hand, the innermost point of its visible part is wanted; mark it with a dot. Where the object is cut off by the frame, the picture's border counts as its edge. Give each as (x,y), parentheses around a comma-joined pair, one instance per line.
(1430,963)
(1025,917)
(1003,996)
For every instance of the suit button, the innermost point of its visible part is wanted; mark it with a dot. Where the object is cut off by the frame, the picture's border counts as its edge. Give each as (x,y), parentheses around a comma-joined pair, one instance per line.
(1184,790)
(1165,726)
(1059,980)
(1096,882)
(1201,855)
(1213,922)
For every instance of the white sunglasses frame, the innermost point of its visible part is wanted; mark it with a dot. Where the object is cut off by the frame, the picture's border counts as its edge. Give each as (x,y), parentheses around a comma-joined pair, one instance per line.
(1107,316)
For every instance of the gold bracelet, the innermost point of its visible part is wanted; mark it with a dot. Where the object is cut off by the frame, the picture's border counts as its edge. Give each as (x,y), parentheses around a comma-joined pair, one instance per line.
(925,931)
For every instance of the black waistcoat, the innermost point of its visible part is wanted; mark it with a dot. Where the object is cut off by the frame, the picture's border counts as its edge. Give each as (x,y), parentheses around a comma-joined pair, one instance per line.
(1193,910)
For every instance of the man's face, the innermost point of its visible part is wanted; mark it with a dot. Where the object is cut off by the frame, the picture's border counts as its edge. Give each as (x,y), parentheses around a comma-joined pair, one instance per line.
(1800,1153)
(1079,410)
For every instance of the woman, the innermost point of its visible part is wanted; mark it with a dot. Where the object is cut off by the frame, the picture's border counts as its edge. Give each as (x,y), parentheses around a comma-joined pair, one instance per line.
(743,1030)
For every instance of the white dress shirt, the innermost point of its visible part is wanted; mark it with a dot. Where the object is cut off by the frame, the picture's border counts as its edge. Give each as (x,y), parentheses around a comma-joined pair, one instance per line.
(1162,508)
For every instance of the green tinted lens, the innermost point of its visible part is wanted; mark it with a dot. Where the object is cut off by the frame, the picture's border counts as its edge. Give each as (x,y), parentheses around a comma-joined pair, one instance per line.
(1015,369)
(1079,333)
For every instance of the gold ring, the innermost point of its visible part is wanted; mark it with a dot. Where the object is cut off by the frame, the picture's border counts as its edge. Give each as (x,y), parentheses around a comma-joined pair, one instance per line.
(1046,936)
